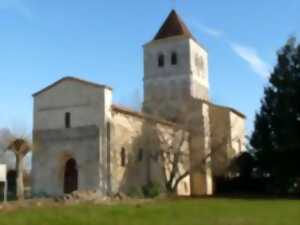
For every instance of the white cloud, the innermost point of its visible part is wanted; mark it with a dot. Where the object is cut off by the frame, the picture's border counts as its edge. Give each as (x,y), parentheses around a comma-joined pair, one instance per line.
(213,32)
(250,55)
(210,31)
(16,5)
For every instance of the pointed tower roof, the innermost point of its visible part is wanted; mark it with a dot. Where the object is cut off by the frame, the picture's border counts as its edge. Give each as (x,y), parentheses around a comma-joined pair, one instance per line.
(173,26)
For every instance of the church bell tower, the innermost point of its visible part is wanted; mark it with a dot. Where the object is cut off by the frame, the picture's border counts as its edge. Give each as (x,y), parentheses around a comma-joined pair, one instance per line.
(175,70)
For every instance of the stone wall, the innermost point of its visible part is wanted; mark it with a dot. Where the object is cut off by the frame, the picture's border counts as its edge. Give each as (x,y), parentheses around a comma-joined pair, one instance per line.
(136,134)
(227,137)
(85,139)
(199,71)
(238,139)
(198,122)
(220,138)
(166,88)
(84,102)
(53,148)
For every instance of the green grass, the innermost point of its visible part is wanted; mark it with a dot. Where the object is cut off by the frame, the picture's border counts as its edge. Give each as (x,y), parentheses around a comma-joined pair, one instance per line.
(172,212)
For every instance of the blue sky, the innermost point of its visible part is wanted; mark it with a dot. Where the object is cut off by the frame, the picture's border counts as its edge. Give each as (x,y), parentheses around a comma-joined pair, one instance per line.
(42,41)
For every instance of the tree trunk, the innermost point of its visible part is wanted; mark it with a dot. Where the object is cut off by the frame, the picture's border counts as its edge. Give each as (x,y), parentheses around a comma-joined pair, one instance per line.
(169,188)
(148,168)
(179,179)
(20,169)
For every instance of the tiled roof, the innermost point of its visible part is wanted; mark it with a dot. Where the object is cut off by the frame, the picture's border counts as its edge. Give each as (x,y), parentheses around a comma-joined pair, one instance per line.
(173,26)
(227,108)
(141,115)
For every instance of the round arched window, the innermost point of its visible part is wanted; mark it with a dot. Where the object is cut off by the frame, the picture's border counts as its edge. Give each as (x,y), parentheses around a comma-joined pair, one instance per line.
(161,60)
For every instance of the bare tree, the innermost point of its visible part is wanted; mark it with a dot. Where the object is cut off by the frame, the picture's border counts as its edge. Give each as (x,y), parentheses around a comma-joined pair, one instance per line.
(187,147)
(174,156)
(20,145)
(6,157)
(177,159)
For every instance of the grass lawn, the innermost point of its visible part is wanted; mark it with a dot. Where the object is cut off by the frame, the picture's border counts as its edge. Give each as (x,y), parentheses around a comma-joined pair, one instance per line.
(163,212)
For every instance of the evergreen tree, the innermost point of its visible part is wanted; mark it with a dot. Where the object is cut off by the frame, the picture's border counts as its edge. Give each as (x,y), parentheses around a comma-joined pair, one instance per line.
(276,137)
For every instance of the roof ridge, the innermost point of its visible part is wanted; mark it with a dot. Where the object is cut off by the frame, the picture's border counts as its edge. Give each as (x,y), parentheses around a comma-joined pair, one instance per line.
(142,115)
(224,107)
(173,26)
(74,79)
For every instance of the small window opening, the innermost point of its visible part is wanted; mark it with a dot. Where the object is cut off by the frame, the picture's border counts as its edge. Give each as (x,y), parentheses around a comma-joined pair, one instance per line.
(174,59)
(123,157)
(140,154)
(161,60)
(68,120)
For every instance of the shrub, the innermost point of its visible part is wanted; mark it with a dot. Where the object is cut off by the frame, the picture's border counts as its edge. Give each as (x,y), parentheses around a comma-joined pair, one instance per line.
(151,190)
(135,192)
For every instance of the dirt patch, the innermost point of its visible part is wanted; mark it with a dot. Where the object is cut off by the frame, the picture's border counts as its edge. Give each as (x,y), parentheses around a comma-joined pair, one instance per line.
(77,197)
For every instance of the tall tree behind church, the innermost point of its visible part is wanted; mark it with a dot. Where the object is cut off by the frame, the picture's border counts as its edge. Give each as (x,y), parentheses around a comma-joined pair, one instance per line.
(276,137)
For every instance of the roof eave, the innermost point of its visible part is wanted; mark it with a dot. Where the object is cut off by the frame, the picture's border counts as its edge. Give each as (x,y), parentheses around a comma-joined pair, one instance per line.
(70,78)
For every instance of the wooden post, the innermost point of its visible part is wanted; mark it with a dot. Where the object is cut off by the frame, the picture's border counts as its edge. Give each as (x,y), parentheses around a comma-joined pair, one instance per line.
(3,178)
(5,192)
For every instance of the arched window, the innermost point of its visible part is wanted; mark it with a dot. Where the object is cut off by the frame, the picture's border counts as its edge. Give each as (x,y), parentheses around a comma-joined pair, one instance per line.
(161,60)
(123,157)
(140,155)
(174,59)
(67,120)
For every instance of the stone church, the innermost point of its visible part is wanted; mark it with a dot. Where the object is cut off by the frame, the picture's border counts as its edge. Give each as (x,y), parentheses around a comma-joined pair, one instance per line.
(180,140)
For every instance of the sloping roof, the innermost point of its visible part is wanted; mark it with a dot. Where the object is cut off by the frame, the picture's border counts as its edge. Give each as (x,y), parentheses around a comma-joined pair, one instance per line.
(141,115)
(71,79)
(173,26)
(228,108)
(234,111)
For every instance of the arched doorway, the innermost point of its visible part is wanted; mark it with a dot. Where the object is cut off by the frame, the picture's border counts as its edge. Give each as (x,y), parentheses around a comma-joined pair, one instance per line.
(71,176)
